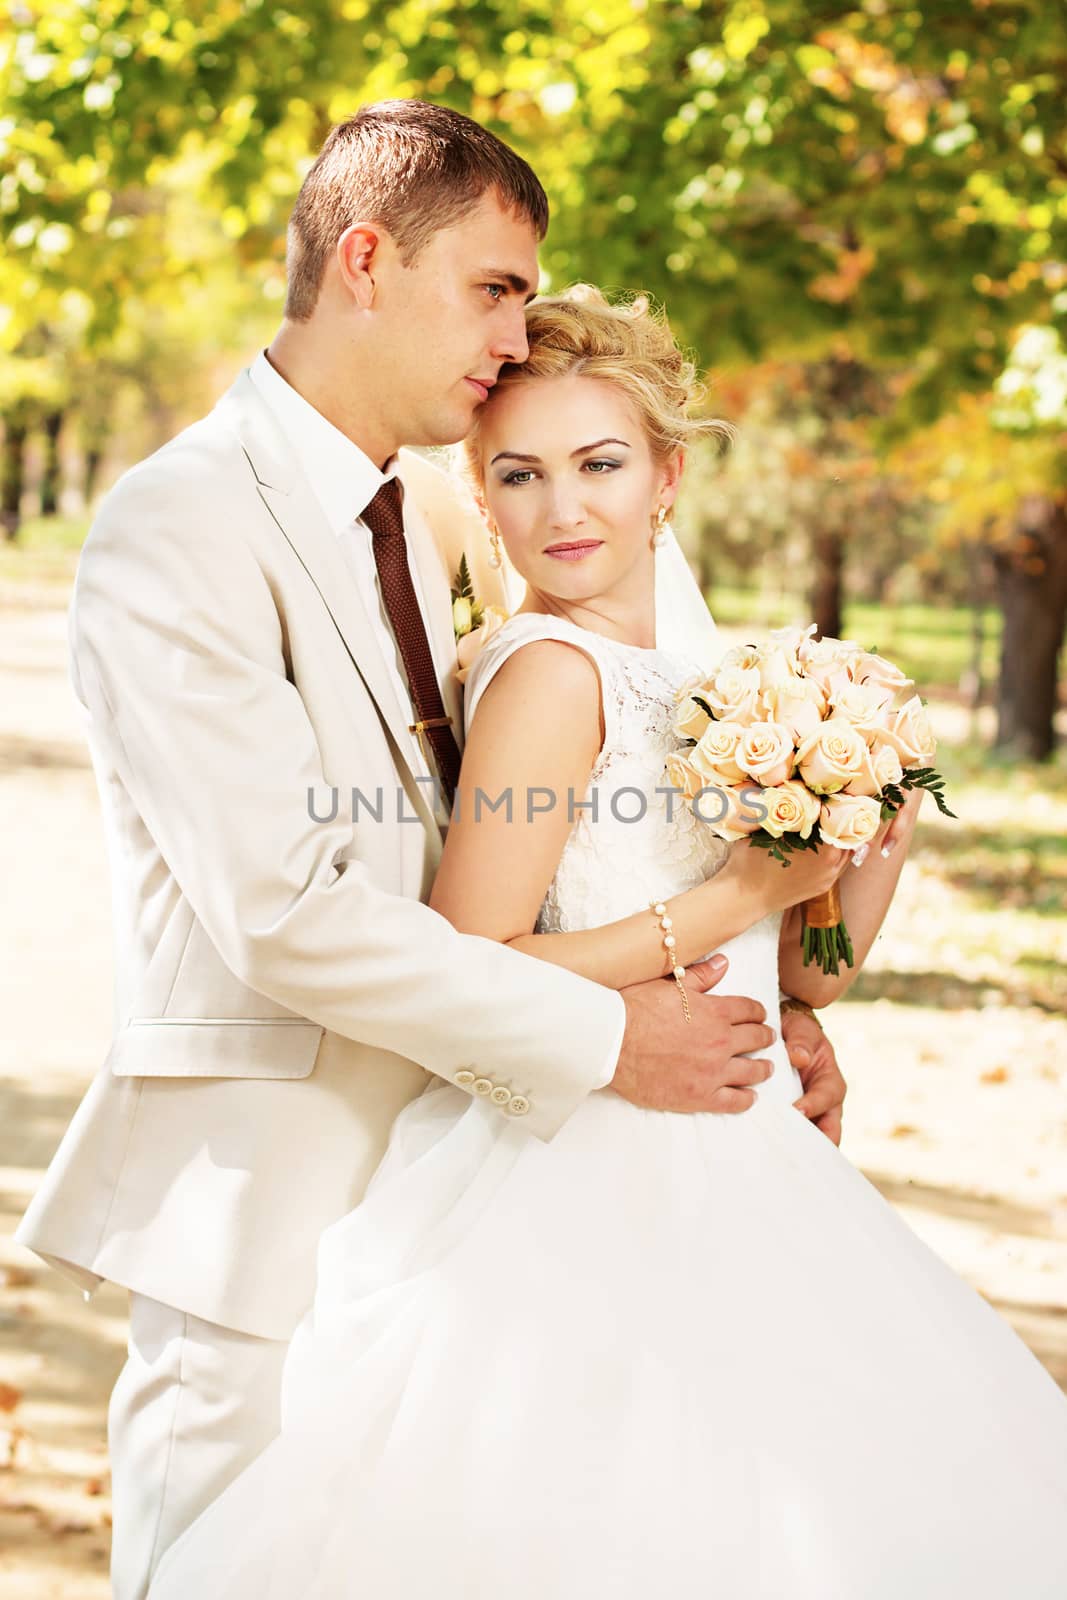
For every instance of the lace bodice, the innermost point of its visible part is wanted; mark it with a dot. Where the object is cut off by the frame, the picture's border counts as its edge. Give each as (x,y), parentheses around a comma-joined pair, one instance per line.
(638,845)
(629,844)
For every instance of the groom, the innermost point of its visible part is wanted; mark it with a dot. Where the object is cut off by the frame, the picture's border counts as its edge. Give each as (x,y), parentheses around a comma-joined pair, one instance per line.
(262,614)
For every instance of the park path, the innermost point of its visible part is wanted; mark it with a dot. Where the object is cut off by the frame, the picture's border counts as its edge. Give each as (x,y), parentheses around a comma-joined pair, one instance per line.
(957,1114)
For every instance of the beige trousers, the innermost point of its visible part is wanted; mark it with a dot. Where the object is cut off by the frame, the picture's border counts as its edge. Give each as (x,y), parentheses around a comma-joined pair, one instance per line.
(192,1406)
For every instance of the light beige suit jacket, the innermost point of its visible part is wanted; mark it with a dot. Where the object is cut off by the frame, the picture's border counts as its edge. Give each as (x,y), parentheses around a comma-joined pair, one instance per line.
(281,991)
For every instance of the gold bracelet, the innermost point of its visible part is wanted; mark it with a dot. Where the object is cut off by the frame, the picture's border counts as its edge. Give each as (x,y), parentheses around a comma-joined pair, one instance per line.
(788,1003)
(666,926)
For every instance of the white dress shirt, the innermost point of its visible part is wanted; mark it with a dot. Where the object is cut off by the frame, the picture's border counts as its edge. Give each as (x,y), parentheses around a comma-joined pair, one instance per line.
(345,481)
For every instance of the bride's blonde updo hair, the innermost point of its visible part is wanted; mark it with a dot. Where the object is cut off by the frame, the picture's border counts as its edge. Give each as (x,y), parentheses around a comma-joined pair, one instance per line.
(628,344)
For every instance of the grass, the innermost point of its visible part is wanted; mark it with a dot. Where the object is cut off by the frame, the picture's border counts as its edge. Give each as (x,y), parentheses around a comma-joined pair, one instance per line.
(46,549)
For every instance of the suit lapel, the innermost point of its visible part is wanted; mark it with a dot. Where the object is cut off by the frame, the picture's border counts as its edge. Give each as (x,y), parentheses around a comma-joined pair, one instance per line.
(293,507)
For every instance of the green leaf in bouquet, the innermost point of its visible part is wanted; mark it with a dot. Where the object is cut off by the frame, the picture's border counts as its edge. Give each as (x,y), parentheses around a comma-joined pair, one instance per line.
(892,800)
(790,844)
(930,779)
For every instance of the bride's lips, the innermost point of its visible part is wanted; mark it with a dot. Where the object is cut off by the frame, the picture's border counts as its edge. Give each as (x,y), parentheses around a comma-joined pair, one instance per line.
(574,550)
(481,386)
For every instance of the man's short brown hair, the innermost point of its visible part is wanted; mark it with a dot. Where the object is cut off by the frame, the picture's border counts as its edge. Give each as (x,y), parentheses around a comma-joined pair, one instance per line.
(413,167)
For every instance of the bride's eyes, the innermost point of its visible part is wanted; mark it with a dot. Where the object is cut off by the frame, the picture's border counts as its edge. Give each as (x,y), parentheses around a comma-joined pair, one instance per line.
(599,466)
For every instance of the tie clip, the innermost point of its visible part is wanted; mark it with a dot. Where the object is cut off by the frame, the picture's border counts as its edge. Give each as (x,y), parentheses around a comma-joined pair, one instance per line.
(429,722)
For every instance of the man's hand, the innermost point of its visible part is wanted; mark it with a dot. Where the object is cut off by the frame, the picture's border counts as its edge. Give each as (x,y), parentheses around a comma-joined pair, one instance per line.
(812,1054)
(667,1064)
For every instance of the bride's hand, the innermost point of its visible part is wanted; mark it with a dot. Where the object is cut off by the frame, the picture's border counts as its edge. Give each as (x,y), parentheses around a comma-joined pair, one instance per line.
(775,887)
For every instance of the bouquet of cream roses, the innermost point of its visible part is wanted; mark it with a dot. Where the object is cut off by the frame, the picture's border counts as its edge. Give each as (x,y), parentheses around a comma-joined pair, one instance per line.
(801,742)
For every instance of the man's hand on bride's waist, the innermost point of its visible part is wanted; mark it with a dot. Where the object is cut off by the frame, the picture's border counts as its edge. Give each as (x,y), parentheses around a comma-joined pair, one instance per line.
(669,1064)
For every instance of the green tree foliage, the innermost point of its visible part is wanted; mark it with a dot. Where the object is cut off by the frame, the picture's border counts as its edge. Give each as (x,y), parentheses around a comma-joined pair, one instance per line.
(881,184)
(780,173)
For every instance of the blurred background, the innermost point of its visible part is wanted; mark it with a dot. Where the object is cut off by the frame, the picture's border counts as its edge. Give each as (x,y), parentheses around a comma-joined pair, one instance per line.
(856,218)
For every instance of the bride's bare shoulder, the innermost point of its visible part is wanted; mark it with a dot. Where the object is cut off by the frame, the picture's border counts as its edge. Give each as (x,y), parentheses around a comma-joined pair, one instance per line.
(548,684)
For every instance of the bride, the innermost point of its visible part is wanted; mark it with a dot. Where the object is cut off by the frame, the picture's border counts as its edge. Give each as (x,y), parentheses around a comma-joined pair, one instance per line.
(690,1355)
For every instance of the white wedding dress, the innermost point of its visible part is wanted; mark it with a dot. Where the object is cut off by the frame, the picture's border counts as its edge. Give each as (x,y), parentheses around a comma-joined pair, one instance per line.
(678,1355)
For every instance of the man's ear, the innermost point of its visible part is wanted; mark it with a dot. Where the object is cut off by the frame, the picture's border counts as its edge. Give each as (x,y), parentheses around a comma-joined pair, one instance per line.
(359,253)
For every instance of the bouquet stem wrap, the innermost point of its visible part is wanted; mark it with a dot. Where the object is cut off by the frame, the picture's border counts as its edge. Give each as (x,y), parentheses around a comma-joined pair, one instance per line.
(825,938)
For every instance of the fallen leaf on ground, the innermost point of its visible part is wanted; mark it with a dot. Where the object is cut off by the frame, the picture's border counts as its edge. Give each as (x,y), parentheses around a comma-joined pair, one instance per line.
(9,1397)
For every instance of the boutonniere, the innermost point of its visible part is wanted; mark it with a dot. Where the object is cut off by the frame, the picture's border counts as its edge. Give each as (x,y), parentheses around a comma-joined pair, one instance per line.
(473,622)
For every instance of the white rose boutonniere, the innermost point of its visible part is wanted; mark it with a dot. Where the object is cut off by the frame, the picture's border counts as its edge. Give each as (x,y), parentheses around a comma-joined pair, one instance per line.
(473,622)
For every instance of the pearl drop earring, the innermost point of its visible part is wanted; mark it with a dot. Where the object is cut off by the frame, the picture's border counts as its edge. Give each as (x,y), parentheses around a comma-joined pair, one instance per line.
(661,528)
(496,559)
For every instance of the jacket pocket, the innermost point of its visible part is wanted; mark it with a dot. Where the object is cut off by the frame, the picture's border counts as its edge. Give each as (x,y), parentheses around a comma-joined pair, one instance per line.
(182,1047)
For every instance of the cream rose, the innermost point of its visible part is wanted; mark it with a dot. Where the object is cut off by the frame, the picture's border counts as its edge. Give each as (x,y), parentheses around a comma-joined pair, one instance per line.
(766,752)
(869,668)
(831,676)
(696,683)
(715,755)
(731,814)
(849,821)
(791,808)
(741,656)
(881,766)
(690,720)
(777,668)
(831,757)
(794,641)
(799,707)
(865,705)
(733,693)
(467,648)
(910,734)
(680,775)
(821,652)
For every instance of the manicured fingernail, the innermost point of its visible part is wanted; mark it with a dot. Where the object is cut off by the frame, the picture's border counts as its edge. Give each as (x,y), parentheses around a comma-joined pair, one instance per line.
(718,962)
(888,848)
(859,856)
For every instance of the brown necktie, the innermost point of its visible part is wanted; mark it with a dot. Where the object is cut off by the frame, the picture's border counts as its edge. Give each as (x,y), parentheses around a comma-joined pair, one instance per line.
(385,520)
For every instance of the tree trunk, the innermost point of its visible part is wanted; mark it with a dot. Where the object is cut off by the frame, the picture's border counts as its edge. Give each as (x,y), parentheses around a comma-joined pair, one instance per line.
(12,475)
(972,685)
(50,486)
(1032,587)
(705,567)
(828,550)
(94,460)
